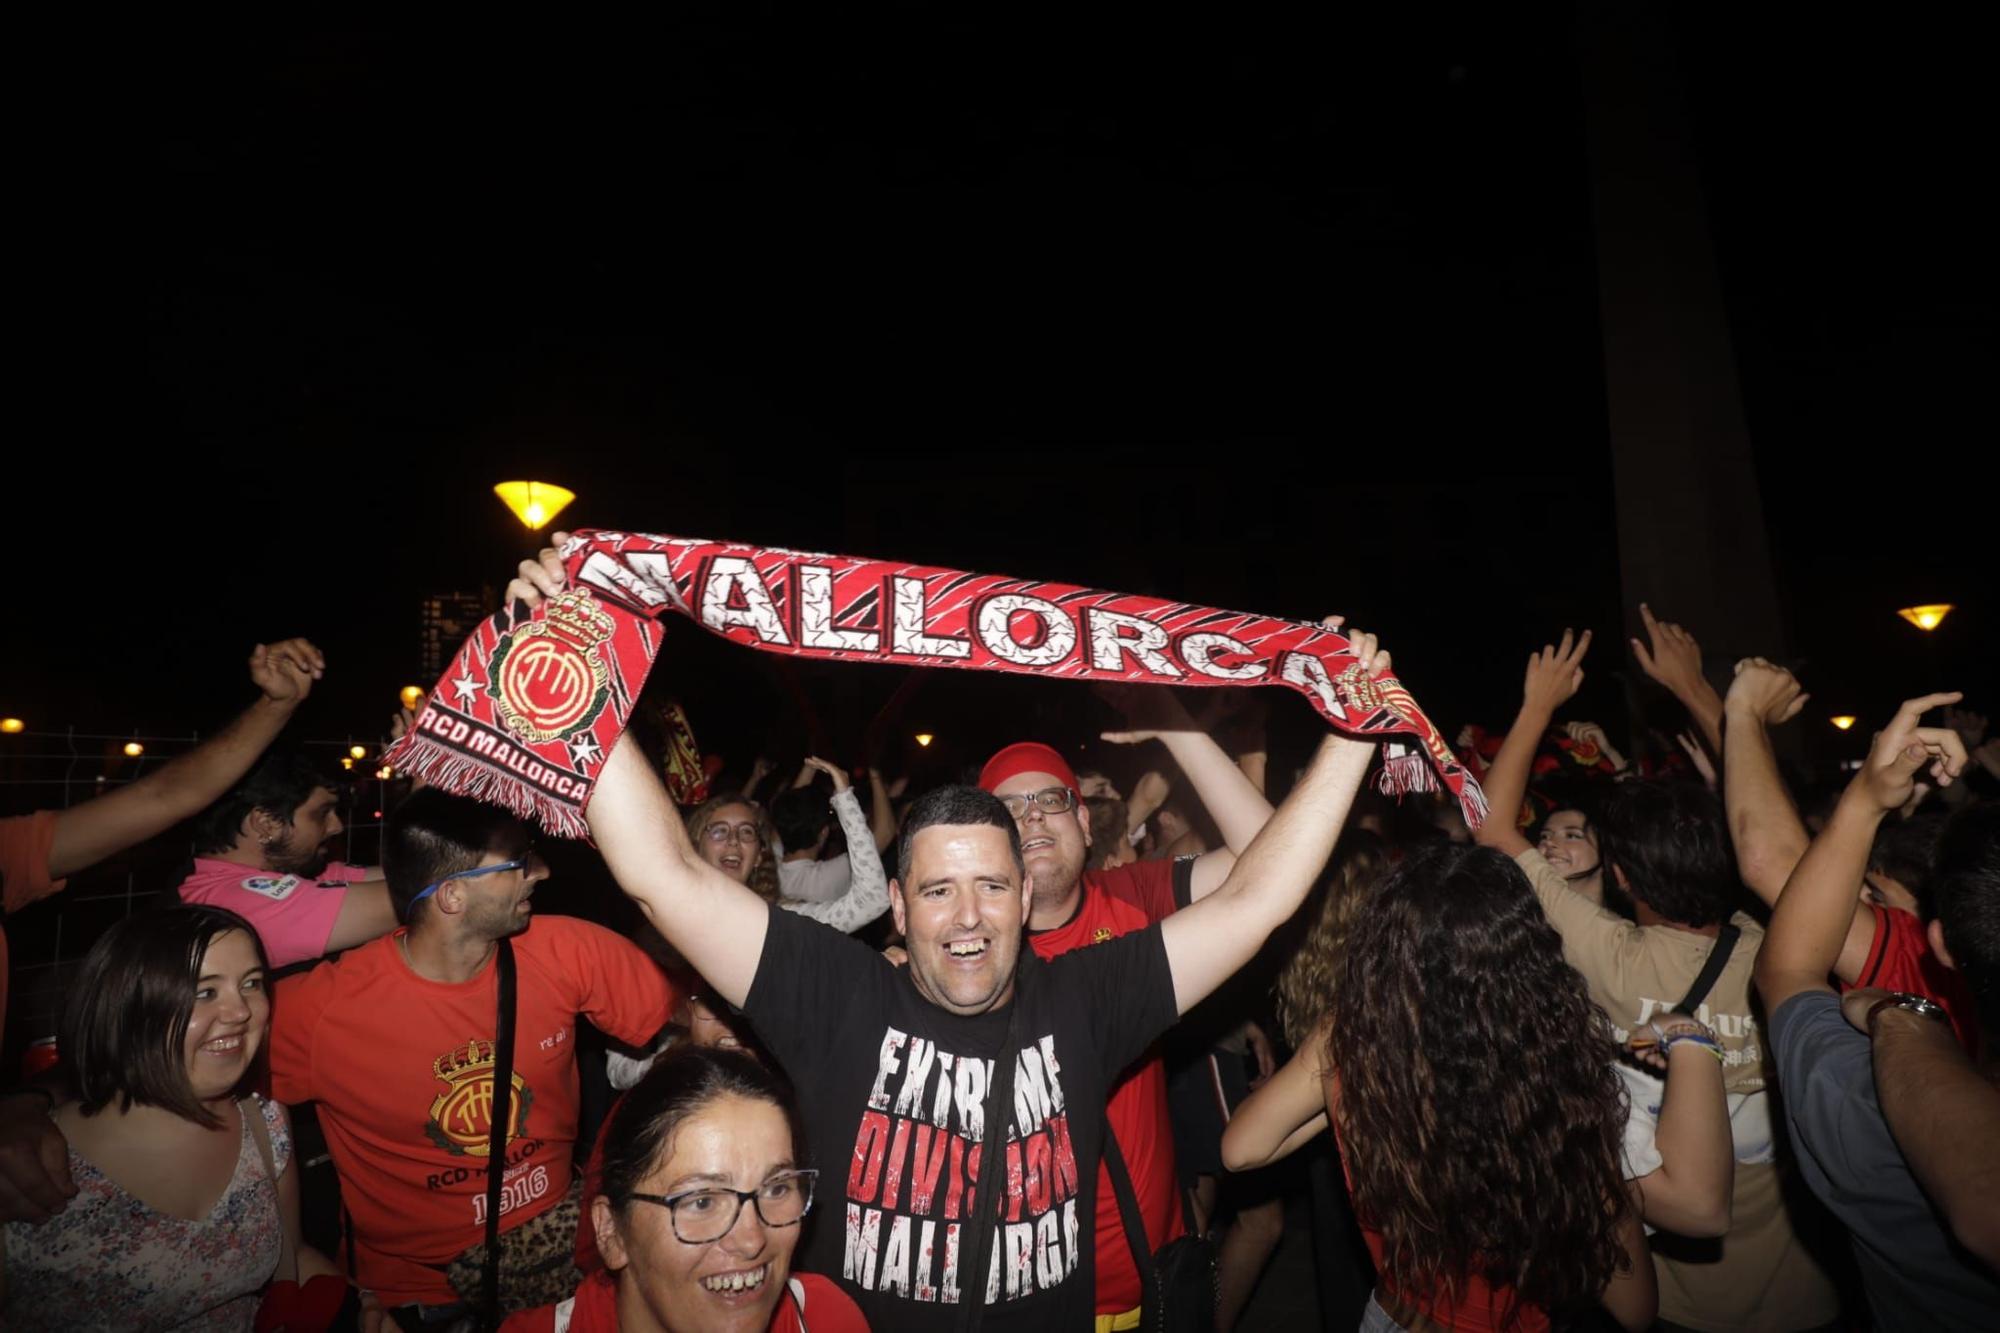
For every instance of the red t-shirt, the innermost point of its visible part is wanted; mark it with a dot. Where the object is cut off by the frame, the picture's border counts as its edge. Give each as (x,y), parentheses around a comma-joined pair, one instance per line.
(402,1070)
(1901,959)
(1117,902)
(594,1309)
(24,874)
(1482,1307)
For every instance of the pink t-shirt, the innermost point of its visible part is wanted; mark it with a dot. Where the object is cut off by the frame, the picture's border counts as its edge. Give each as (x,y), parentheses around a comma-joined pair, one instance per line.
(293,915)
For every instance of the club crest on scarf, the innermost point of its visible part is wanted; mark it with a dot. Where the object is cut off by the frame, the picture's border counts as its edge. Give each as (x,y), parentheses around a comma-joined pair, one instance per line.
(548,678)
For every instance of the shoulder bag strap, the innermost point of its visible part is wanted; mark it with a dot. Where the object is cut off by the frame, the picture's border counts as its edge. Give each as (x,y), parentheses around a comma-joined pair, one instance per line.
(1718,958)
(496,1143)
(976,1247)
(262,1133)
(1128,1210)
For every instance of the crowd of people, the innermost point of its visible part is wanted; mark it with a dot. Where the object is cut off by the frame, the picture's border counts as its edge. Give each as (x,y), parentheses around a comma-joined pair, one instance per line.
(1661,1044)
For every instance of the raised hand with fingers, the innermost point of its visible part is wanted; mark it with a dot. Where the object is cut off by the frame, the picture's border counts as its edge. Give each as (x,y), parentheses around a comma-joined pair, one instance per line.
(285,671)
(1765,691)
(541,577)
(1903,749)
(833,771)
(1554,674)
(1691,744)
(1671,656)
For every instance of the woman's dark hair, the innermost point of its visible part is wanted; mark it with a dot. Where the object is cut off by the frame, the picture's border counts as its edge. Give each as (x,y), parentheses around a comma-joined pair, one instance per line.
(800,815)
(282,781)
(1669,840)
(679,1084)
(434,834)
(1478,1108)
(128,1008)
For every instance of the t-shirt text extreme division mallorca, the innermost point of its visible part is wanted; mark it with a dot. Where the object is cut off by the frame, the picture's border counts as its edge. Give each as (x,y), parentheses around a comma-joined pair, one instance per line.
(894,1093)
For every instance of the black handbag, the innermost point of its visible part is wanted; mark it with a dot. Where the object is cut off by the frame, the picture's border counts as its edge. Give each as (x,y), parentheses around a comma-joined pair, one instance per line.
(1182,1283)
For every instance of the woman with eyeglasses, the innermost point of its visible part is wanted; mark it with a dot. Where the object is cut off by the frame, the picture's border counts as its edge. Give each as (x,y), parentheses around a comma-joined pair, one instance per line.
(735,835)
(704,1193)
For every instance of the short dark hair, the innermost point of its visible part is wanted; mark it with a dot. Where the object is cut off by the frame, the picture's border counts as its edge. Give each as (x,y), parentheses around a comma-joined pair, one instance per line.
(128,1007)
(1670,841)
(1108,819)
(800,815)
(1906,851)
(282,781)
(1965,889)
(955,805)
(679,1085)
(433,835)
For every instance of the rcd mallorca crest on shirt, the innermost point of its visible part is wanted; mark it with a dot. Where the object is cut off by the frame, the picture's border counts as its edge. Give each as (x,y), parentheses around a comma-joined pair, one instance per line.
(548,678)
(462,1115)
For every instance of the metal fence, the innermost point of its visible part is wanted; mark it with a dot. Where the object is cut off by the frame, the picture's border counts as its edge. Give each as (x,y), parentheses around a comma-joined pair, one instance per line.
(43,770)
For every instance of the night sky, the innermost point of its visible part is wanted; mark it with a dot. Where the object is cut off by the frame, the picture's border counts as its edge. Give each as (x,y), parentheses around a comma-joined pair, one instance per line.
(1288,312)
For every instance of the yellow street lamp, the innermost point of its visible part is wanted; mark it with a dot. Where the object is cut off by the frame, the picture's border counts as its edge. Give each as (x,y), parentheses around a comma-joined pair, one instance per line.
(13,726)
(1926,618)
(534,502)
(133,749)
(385,772)
(358,751)
(1844,721)
(412,695)
(347,763)
(924,738)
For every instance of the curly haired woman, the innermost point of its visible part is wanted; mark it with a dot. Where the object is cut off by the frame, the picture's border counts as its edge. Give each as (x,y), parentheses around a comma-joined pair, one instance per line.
(1469,1081)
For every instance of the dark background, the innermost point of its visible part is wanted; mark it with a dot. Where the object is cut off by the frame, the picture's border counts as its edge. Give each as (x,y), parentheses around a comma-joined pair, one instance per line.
(1288,312)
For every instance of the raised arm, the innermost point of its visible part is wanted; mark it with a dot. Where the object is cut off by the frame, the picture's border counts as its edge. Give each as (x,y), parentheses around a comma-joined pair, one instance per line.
(189,783)
(1208,941)
(1944,1113)
(1673,658)
(1284,1115)
(1815,913)
(1231,799)
(1554,676)
(867,895)
(717,924)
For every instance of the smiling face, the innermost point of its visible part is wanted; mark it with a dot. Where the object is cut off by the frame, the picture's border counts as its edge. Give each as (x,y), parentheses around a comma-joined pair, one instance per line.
(961,914)
(231,1011)
(1053,846)
(1569,844)
(729,1285)
(730,842)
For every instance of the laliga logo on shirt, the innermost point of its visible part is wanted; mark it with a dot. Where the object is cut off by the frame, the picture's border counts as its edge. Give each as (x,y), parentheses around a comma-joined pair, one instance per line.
(548,679)
(462,1116)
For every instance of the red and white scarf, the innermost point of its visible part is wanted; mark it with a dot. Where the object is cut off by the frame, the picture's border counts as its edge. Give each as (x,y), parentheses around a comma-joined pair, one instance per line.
(533,703)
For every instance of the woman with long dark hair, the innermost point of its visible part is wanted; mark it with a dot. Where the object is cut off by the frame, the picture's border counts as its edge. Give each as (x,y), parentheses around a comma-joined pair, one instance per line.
(1469,1081)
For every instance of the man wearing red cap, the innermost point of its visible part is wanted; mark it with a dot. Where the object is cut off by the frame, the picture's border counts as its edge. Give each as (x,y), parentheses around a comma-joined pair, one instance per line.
(1075,908)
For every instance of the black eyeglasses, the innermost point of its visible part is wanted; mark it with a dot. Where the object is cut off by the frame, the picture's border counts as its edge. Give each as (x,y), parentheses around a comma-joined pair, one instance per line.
(705,1215)
(1049,800)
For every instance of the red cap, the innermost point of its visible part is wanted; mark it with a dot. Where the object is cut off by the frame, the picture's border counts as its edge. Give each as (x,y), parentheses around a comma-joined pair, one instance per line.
(1027,757)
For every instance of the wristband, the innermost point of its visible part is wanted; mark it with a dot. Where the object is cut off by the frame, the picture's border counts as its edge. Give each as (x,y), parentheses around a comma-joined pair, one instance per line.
(1707,1043)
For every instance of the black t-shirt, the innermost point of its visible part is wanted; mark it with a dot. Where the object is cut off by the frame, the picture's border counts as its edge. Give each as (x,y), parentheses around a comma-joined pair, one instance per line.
(893,1091)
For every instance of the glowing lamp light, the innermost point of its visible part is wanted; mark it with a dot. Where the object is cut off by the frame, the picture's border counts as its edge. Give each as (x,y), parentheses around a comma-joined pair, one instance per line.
(347,763)
(385,772)
(358,751)
(412,695)
(1844,721)
(13,726)
(1926,618)
(133,749)
(534,502)
(924,738)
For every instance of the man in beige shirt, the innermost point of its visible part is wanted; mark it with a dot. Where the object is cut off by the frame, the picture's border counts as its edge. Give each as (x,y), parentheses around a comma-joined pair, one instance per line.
(1666,847)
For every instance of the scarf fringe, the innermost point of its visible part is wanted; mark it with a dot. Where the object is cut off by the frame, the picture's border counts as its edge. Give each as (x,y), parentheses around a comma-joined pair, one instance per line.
(463,775)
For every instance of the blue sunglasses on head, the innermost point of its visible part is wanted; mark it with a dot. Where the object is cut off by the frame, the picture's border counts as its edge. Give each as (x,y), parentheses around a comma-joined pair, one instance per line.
(520,863)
